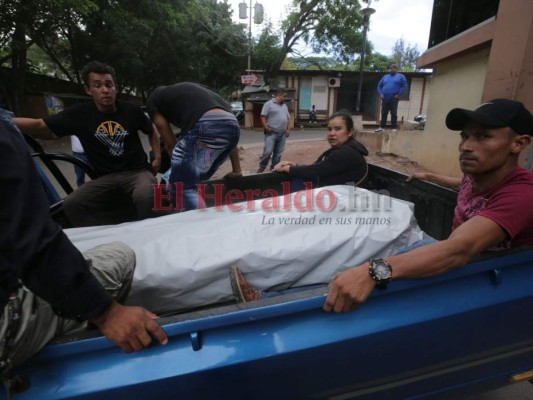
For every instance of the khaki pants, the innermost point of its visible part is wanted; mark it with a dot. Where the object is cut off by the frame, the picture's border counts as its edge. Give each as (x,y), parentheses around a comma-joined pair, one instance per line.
(112,264)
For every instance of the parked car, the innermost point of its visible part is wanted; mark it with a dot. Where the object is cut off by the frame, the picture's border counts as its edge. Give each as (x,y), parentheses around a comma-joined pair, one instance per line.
(237,109)
(460,333)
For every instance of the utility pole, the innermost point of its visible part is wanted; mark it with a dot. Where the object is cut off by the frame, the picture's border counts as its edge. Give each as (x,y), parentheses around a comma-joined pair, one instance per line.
(258,19)
(250,40)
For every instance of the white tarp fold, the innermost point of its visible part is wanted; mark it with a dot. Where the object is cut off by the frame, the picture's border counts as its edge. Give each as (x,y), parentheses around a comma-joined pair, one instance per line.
(183,260)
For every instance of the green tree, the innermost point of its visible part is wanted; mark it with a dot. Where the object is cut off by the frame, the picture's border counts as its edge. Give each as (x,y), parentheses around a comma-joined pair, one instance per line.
(378,62)
(220,45)
(313,63)
(322,24)
(266,51)
(148,42)
(405,56)
(22,23)
(136,38)
(164,41)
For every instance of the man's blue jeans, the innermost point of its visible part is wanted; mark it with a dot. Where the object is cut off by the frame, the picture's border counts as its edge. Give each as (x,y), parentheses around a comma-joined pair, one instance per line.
(389,105)
(274,145)
(197,156)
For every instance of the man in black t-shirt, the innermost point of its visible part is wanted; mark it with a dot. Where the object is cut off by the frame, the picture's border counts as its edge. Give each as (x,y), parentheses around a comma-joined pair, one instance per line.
(108,130)
(209,134)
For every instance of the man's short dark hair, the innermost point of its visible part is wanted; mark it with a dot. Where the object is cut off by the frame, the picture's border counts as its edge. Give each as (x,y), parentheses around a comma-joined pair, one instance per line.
(98,68)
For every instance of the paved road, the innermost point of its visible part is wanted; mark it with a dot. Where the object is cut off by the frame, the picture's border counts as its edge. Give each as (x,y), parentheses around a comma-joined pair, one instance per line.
(520,391)
(255,136)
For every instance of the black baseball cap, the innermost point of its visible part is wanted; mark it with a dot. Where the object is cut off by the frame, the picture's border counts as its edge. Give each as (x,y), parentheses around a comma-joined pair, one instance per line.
(497,113)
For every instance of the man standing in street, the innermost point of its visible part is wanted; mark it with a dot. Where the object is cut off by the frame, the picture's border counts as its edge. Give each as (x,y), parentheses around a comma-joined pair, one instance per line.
(390,88)
(108,131)
(275,119)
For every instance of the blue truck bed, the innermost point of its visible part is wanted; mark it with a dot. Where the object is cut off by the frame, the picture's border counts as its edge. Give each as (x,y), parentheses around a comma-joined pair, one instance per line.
(460,333)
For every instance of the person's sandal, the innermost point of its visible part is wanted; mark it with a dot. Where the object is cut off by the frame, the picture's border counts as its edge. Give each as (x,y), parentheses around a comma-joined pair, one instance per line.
(242,290)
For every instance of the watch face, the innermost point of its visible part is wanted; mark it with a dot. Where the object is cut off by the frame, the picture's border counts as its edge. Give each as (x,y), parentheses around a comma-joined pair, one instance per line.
(382,271)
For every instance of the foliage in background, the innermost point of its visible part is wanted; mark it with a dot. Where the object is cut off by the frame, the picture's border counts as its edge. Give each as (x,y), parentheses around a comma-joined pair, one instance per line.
(154,42)
(148,42)
(322,24)
(405,55)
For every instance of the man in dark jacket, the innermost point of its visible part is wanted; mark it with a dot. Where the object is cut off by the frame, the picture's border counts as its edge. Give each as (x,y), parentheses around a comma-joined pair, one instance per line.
(46,284)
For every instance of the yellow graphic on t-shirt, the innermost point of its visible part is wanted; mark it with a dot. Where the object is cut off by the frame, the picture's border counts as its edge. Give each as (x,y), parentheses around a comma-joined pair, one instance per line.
(112,134)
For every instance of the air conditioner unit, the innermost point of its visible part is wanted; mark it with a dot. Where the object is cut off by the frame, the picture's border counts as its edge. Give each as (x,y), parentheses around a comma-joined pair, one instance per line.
(334,82)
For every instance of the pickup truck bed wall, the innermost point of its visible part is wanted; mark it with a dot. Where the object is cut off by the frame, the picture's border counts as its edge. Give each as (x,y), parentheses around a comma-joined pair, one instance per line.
(436,338)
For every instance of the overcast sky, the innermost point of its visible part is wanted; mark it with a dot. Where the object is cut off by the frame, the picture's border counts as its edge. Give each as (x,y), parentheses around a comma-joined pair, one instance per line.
(392,20)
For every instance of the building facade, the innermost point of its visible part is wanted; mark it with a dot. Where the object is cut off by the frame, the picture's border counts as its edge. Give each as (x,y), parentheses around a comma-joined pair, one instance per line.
(330,91)
(473,61)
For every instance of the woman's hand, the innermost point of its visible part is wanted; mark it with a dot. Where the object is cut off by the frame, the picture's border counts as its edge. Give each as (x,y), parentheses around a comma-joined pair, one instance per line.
(284,166)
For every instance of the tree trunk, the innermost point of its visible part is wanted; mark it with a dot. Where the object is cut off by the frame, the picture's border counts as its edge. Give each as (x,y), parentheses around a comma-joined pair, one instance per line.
(18,67)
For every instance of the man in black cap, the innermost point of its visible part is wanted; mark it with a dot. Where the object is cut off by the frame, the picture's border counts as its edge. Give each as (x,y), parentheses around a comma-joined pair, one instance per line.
(493,207)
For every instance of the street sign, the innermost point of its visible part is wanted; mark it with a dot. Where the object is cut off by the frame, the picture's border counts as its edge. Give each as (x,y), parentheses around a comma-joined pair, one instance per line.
(248,79)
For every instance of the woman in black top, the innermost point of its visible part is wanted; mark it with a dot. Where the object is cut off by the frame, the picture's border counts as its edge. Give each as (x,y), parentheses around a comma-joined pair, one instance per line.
(343,164)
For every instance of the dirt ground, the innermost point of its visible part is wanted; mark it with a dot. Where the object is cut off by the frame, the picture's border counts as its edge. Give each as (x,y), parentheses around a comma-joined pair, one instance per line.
(306,152)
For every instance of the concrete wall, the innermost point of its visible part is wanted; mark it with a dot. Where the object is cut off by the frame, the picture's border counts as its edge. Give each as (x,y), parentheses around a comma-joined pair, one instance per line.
(410,109)
(510,71)
(455,83)
(314,89)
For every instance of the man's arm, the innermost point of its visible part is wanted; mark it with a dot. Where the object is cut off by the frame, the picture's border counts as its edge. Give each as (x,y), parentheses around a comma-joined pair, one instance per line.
(156,149)
(403,85)
(33,126)
(235,164)
(163,126)
(351,288)
(288,130)
(265,124)
(379,89)
(443,180)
